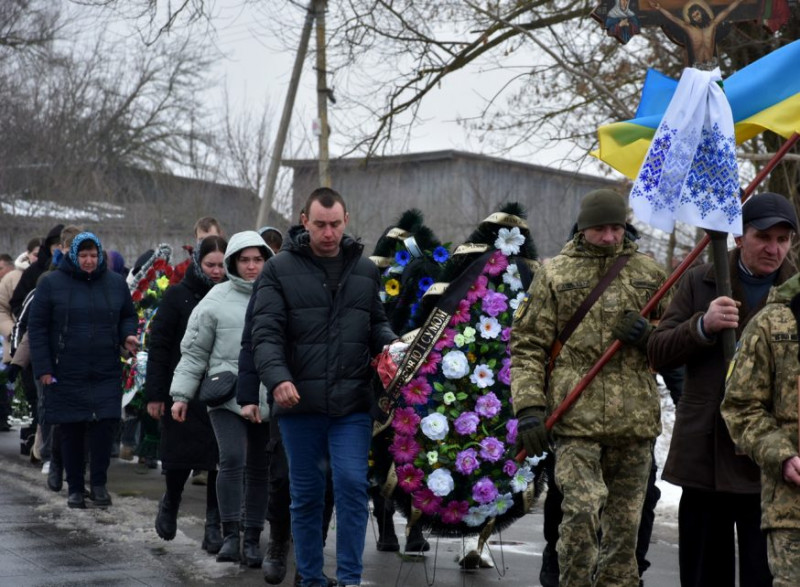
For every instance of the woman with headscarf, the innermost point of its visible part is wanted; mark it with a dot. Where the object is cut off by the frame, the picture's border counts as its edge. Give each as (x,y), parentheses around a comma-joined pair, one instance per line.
(81,316)
(189,445)
(210,347)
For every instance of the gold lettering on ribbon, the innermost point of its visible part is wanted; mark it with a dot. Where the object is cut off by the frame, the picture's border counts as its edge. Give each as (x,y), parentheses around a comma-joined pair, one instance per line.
(382,262)
(471,248)
(504,219)
(436,289)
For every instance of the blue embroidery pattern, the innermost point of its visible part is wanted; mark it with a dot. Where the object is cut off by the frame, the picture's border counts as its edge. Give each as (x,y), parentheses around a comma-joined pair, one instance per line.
(704,179)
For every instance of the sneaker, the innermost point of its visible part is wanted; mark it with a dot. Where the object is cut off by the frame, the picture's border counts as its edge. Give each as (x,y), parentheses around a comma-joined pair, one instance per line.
(46,468)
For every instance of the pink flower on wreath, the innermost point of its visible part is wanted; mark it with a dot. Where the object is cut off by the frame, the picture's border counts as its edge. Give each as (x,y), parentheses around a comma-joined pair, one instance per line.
(461,315)
(409,478)
(404,448)
(466,423)
(511,431)
(467,461)
(510,468)
(426,501)
(478,289)
(454,512)
(488,405)
(492,449)
(494,303)
(405,421)
(484,491)
(446,340)
(496,264)
(504,374)
(431,363)
(417,391)
(505,335)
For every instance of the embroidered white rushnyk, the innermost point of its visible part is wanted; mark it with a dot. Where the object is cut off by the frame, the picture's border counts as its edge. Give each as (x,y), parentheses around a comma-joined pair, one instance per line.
(690,172)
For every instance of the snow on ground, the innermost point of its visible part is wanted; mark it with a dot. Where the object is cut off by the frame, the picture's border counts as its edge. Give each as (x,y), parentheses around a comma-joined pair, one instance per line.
(667,508)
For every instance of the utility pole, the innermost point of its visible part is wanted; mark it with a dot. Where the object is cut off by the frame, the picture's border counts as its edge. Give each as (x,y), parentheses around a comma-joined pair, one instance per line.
(268,195)
(322,96)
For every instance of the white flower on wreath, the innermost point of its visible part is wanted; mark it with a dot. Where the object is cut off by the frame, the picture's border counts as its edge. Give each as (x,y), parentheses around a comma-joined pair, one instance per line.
(433,457)
(466,337)
(517,300)
(435,426)
(455,365)
(512,277)
(489,327)
(482,376)
(477,515)
(441,482)
(502,504)
(521,479)
(509,241)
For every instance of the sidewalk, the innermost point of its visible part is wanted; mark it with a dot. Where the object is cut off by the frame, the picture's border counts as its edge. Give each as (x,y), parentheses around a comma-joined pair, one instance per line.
(45,543)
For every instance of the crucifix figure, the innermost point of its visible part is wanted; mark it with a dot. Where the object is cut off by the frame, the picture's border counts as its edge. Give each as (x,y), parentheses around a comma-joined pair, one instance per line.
(699,24)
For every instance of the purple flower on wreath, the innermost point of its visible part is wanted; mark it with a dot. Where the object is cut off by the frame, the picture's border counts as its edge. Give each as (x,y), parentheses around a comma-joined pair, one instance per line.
(505,334)
(426,501)
(461,315)
(466,423)
(440,254)
(424,284)
(454,512)
(409,478)
(446,340)
(402,258)
(511,431)
(496,264)
(431,364)
(467,461)
(404,448)
(416,392)
(477,290)
(405,421)
(510,468)
(484,491)
(494,303)
(504,374)
(492,449)
(488,405)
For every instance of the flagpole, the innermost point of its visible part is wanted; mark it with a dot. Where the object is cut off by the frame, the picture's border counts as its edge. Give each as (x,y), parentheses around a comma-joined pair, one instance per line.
(576,392)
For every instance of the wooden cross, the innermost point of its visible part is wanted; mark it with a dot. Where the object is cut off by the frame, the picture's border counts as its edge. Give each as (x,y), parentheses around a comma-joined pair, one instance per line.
(696,25)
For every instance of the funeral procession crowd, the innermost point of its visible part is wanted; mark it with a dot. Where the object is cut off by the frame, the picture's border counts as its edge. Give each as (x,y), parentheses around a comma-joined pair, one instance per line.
(298,377)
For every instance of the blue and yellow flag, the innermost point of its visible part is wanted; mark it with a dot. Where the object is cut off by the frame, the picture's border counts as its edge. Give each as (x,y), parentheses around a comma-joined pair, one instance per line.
(765,95)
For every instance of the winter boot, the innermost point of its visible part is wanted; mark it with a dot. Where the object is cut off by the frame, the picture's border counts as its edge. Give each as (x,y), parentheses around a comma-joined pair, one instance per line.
(415,542)
(251,550)
(387,538)
(55,476)
(99,495)
(231,548)
(167,518)
(212,538)
(274,565)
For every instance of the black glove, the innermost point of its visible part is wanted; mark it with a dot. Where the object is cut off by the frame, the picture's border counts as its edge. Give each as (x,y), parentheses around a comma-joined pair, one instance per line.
(532,432)
(632,329)
(12,371)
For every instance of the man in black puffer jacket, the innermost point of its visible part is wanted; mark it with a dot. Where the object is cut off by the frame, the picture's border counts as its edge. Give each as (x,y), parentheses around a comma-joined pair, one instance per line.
(317,321)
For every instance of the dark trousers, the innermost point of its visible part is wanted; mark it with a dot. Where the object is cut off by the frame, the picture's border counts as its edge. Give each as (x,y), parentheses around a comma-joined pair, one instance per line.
(73,436)
(707,521)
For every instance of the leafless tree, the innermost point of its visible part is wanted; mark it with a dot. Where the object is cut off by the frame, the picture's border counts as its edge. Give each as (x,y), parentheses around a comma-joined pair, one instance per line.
(28,25)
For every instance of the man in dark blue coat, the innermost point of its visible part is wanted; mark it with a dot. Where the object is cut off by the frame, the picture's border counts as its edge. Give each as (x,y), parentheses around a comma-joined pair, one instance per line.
(80,318)
(317,321)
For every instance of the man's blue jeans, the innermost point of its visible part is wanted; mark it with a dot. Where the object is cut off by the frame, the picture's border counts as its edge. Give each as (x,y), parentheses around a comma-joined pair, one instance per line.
(308,440)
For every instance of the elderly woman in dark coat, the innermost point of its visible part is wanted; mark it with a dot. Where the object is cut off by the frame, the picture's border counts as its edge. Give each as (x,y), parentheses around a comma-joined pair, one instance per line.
(191,444)
(81,316)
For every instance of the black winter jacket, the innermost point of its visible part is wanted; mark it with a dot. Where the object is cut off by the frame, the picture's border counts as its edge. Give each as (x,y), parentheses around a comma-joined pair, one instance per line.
(320,342)
(190,444)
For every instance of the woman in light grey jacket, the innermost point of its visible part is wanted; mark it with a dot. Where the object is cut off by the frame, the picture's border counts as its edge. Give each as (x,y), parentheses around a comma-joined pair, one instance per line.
(210,346)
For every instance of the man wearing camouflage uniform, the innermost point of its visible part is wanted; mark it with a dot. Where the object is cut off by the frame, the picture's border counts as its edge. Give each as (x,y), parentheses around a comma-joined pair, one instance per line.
(761,411)
(603,443)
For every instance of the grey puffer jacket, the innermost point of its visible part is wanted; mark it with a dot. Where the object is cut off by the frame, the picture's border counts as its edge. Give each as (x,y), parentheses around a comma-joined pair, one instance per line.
(320,342)
(214,332)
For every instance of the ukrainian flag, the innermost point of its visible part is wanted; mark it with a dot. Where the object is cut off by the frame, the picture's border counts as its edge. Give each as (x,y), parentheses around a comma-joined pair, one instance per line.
(765,95)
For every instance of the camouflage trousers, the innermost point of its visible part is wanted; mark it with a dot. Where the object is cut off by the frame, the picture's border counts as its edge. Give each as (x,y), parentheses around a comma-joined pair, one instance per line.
(783,550)
(604,485)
